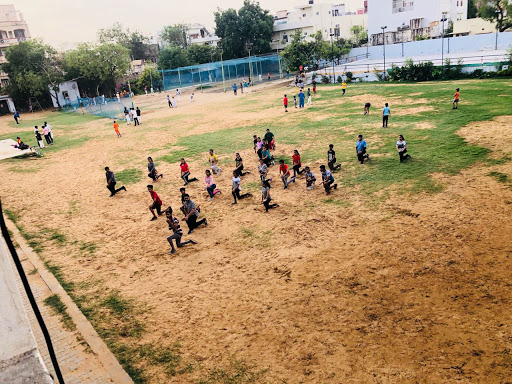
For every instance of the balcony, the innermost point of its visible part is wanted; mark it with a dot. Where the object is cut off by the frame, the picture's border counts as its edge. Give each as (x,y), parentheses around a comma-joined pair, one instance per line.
(286,26)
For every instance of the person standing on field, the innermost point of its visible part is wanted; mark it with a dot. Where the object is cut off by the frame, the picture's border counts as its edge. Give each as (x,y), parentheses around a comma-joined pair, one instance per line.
(178,94)
(139,118)
(234,89)
(111,182)
(268,76)
(456,97)
(302,96)
(16,117)
(50,133)
(285,103)
(39,138)
(343,88)
(386,112)
(309,97)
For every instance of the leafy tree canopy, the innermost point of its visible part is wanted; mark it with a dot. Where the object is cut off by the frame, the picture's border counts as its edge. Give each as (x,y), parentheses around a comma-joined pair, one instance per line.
(497,11)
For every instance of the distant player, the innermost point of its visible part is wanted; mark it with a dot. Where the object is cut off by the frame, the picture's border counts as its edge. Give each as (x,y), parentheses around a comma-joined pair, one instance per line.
(343,88)
(174,225)
(116,128)
(456,97)
(178,94)
(361,149)
(156,204)
(235,189)
(367,108)
(185,172)
(192,97)
(310,178)
(234,89)
(309,97)
(265,196)
(111,182)
(296,163)
(153,173)
(386,112)
(139,118)
(302,97)
(327,180)
(169,101)
(331,159)
(285,103)
(401,147)
(295,101)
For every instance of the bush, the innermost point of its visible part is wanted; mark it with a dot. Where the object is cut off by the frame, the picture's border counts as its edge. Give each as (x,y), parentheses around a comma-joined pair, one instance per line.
(326,79)
(350,76)
(339,79)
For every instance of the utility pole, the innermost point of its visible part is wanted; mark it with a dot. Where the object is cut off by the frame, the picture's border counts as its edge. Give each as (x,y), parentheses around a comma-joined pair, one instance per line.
(496,45)
(442,44)
(384,48)
(332,57)
(248,47)
(402,30)
(222,67)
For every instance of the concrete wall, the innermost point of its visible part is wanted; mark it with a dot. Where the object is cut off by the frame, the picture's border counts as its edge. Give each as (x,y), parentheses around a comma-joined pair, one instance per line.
(485,42)
(73,94)
(20,361)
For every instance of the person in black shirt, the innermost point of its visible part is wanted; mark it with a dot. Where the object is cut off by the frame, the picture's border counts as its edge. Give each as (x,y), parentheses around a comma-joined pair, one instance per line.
(239,166)
(331,159)
(39,138)
(111,182)
(174,225)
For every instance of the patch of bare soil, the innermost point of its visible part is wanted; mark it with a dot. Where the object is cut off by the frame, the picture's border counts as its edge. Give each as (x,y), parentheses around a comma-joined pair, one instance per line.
(423,125)
(495,134)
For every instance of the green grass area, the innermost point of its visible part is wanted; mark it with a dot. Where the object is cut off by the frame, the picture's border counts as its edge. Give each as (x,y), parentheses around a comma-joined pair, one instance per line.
(89,247)
(128,176)
(502,178)
(59,308)
(63,120)
(438,149)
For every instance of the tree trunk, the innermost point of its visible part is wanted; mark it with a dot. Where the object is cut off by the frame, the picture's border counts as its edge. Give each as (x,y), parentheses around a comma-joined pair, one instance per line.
(56,97)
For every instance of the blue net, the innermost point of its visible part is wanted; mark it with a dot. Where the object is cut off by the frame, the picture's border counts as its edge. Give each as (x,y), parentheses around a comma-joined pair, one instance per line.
(230,71)
(100,106)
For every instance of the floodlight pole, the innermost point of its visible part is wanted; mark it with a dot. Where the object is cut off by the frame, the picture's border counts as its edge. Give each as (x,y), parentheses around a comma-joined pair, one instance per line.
(222,67)
(278,58)
(248,47)
(496,45)
(384,47)
(402,33)
(332,58)
(442,45)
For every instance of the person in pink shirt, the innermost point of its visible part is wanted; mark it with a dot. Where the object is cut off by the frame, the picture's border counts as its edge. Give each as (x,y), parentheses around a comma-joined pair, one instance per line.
(46,134)
(210,185)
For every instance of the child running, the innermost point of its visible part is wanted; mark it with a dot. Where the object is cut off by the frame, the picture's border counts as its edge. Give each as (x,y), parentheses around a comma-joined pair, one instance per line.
(343,88)
(327,180)
(296,163)
(285,103)
(210,185)
(185,172)
(265,196)
(214,161)
(456,97)
(116,128)
(177,234)
(310,178)
(153,173)
(284,172)
(235,189)
(156,205)
(331,159)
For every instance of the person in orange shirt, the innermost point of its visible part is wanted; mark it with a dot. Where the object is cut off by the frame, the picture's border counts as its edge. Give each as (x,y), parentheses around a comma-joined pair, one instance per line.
(456,99)
(116,128)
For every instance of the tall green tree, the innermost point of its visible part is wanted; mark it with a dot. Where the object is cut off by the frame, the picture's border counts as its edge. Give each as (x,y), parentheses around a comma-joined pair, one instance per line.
(472,9)
(34,70)
(135,41)
(148,77)
(497,11)
(358,35)
(175,35)
(172,57)
(200,54)
(299,52)
(251,24)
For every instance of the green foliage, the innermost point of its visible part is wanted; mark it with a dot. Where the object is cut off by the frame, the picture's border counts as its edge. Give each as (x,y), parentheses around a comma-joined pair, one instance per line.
(89,247)
(497,11)
(172,57)
(148,77)
(33,66)
(59,308)
(200,54)
(449,28)
(502,178)
(134,41)
(175,35)
(472,10)
(251,24)
(358,35)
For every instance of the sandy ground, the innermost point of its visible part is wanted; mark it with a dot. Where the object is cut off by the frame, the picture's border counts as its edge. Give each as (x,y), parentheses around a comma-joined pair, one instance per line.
(317,292)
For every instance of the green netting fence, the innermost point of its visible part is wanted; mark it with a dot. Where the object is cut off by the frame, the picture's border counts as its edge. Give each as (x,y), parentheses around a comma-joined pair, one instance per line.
(229,72)
(100,106)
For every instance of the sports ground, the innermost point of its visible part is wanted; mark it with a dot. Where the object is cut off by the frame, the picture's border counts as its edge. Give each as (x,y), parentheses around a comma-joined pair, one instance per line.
(401,275)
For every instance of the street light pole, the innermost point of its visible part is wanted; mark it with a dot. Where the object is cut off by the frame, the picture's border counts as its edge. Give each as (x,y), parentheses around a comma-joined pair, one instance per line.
(332,57)
(248,47)
(402,30)
(222,67)
(496,45)
(384,47)
(278,58)
(442,45)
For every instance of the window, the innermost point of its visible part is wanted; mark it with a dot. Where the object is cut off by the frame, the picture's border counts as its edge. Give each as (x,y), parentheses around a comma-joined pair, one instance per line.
(65,94)
(285,38)
(317,13)
(303,15)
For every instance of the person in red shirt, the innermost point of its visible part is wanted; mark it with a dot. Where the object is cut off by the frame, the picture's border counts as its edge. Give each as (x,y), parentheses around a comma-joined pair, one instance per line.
(284,172)
(185,172)
(156,205)
(296,163)
(285,102)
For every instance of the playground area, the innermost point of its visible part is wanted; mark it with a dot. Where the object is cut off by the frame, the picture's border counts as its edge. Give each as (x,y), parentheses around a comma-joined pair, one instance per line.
(401,275)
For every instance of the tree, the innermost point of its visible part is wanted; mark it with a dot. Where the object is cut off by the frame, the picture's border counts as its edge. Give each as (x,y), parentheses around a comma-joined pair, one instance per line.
(359,36)
(299,52)
(251,24)
(32,67)
(472,10)
(175,35)
(172,57)
(497,11)
(134,41)
(200,54)
(148,77)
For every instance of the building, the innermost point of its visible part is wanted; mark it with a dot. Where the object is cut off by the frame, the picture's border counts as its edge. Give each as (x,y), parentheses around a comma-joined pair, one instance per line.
(198,34)
(328,18)
(68,93)
(408,20)
(13,29)
(475,26)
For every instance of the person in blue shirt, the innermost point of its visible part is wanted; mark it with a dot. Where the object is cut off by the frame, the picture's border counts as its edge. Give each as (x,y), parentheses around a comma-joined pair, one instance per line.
(302,96)
(361,149)
(386,112)
(234,89)
(16,117)
(327,180)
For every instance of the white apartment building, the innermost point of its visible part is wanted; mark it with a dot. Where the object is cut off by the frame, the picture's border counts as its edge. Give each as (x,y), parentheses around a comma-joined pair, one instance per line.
(198,34)
(13,29)
(407,19)
(329,18)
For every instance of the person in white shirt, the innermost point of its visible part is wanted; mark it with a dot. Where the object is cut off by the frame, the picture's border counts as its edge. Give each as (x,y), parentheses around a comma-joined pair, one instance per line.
(50,133)
(178,94)
(152,91)
(192,97)
(235,190)
(174,104)
(401,147)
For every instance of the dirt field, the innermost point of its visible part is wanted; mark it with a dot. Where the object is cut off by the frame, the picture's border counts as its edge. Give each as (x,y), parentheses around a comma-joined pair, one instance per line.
(382,287)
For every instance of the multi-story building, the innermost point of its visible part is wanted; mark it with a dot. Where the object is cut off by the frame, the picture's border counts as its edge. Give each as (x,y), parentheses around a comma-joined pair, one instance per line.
(407,20)
(328,18)
(13,29)
(198,34)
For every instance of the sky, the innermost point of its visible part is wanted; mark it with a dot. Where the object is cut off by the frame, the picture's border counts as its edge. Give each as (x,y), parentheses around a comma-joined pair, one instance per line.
(64,23)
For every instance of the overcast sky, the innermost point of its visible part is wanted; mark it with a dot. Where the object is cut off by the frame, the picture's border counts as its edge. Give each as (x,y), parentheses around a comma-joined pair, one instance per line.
(63,23)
